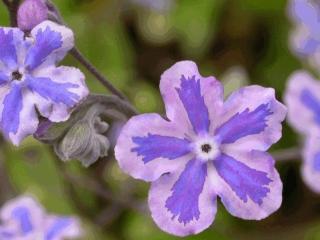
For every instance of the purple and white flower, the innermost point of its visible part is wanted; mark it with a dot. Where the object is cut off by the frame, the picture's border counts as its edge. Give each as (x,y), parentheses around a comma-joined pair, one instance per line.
(24,218)
(31,83)
(305,38)
(205,148)
(303,100)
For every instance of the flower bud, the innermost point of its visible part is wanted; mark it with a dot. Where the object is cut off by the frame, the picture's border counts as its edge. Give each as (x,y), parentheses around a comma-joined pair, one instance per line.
(91,131)
(84,142)
(31,13)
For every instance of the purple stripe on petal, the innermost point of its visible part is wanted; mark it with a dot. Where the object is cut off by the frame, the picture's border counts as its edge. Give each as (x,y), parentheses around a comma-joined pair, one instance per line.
(312,103)
(11,110)
(6,235)
(306,11)
(243,180)
(3,78)
(8,53)
(190,95)
(184,201)
(244,124)
(156,146)
(45,43)
(309,47)
(58,227)
(54,91)
(22,215)
(316,162)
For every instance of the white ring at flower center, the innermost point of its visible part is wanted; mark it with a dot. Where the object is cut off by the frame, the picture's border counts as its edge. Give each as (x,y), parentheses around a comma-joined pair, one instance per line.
(206,149)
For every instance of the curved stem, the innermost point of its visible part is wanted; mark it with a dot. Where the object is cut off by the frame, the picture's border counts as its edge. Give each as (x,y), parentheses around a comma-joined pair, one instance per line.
(75,52)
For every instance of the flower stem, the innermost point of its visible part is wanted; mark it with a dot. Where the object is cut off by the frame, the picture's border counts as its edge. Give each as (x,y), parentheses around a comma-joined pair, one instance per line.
(76,53)
(288,154)
(103,80)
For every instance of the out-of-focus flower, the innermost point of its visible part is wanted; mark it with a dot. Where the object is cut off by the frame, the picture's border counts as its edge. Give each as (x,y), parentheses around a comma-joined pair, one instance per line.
(91,130)
(305,38)
(157,5)
(206,148)
(303,100)
(31,83)
(234,78)
(31,13)
(24,218)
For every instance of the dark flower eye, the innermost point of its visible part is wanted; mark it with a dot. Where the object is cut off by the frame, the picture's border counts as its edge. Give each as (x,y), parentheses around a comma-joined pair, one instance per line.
(206,148)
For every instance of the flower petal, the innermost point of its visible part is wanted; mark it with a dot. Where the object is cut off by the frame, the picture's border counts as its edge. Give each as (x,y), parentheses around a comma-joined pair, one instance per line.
(303,100)
(149,146)
(182,202)
(3,78)
(57,91)
(303,43)
(311,164)
(252,119)
(305,12)
(248,184)
(25,212)
(6,234)
(51,44)
(18,115)
(62,227)
(154,146)
(190,99)
(10,39)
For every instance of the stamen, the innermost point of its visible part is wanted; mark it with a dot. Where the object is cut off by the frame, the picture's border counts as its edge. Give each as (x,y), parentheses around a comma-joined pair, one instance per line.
(206,148)
(16,75)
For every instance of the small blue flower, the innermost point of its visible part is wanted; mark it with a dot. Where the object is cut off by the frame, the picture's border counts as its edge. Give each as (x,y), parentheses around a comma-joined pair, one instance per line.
(305,38)
(302,97)
(24,218)
(30,82)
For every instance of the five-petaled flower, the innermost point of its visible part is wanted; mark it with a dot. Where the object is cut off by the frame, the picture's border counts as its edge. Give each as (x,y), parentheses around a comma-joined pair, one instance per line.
(305,38)
(23,218)
(303,100)
(205,148)
(30,82)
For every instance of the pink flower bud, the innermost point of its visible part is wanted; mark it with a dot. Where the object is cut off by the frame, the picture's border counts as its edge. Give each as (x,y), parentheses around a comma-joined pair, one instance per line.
(31,13)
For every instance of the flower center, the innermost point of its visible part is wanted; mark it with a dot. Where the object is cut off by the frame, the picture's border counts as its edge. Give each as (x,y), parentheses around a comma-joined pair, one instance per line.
(206,149)
(16,75)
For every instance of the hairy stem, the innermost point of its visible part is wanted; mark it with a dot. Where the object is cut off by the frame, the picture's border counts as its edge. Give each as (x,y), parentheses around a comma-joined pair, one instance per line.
(75,52)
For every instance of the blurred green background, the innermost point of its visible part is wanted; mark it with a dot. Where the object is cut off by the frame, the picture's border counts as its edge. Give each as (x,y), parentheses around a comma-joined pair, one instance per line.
(133,44)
